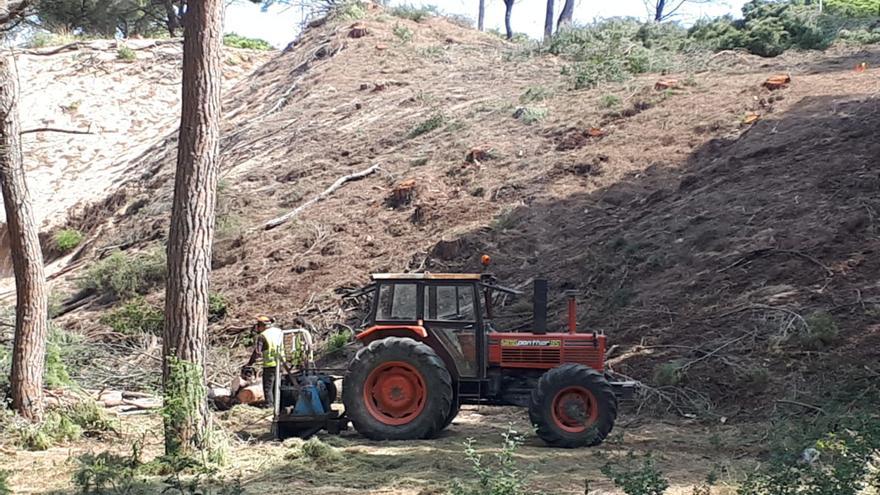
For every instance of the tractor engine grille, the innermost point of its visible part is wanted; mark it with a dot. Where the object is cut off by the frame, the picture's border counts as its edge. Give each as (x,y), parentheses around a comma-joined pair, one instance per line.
(546,351)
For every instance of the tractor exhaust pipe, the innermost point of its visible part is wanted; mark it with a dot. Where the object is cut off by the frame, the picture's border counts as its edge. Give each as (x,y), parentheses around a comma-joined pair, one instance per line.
(539,318)
(572,310)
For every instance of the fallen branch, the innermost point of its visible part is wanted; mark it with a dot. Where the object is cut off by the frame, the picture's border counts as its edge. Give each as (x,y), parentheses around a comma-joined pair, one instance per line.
(55,129)
(802,404)
(271,224)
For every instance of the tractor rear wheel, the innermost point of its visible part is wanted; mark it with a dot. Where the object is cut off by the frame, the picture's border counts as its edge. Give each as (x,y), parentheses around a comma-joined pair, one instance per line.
(453,412)
(573,406)
(397,389)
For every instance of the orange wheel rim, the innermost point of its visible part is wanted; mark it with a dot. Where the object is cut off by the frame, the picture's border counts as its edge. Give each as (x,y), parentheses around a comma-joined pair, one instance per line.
(574,409)
(395,393)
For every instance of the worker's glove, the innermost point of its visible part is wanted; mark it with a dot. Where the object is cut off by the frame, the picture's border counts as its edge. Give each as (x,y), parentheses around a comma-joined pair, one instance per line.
(248,373)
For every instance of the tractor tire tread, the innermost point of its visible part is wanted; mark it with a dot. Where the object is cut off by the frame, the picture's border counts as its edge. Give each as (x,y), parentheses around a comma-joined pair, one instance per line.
(557,379)
(430,421)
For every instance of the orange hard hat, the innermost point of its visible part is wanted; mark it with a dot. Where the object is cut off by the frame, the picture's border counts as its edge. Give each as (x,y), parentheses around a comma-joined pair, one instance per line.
(264,319)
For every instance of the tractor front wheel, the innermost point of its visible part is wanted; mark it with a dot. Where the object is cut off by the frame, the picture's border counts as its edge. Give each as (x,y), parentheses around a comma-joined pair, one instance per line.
(573,406)
(397,389)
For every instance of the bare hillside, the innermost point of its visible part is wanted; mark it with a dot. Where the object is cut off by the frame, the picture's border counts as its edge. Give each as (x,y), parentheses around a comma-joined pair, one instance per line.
(737,251)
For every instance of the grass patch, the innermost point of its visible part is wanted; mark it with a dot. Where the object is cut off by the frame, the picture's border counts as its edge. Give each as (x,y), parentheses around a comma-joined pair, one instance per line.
(5,488)
(430,124)
(59,426)
(350,10)
(126,54)
(402,33)
(234,40)
(66,240)
(313,451)
(120,276)
(821,331)
(135,317)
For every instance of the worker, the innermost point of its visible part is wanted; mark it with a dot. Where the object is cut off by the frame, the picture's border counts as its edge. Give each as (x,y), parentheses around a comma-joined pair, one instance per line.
(268,348)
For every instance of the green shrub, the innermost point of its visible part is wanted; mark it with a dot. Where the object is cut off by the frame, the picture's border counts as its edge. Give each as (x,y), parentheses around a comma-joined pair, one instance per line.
(218,307)
(531,115)
(237,41)
(92,419)
(135,317)
(610,101)
(498,476)
(668,374)
(853,8)
(865,35)
(350,10)
(119,276)
(460,20)
(821,331)
(125,53)
(535,93)
(768,28)
(636,479)
(338,340)
(841,464)
(67,239)
(56,428)
(106,473)
(414,13)
(431,123)
(55,374)
(403,33)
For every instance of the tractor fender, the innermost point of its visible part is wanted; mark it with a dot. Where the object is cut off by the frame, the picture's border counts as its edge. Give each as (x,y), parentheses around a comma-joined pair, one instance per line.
(379,331)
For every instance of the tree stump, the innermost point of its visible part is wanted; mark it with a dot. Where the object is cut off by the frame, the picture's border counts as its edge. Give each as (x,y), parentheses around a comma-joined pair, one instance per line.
(778,81)
(402,194)
(357,30)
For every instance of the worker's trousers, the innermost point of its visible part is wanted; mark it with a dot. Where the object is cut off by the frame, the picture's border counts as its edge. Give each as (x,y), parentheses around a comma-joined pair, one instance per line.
(269,386)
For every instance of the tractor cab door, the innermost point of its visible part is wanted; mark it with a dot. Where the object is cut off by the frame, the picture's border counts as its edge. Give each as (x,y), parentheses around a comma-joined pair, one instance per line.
(452,313)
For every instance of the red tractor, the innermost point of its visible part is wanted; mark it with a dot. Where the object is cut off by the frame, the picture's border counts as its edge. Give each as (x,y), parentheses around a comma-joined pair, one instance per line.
(431,346)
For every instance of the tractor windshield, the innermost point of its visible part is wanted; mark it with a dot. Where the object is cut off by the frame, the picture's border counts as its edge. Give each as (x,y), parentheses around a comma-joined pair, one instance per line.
(397,302)
(449,303)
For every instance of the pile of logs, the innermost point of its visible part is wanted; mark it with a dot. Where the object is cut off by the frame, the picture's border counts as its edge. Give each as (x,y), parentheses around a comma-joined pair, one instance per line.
(119,401)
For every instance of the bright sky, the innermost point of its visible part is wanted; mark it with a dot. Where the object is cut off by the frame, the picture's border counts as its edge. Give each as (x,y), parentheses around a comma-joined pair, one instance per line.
(280,24)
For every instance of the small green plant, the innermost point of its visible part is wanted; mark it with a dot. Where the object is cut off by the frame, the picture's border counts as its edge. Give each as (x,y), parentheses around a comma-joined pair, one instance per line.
(5,489)
(414,13)
(820,332)
(498,476)
(531,115)
(106,473)
(337,341)
(184,393)
(91,418)
(125,53)
(67,239)
(119,276)
(610,101)
(237,41)
(56,428)
(135,317)
(319,452)
(431,123)
(403,33)
(635,479)
(535,93)
(218,307)
(55,374)
(669,374)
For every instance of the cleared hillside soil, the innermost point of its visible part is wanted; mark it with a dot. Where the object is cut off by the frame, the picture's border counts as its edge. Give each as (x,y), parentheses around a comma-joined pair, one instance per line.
(423,467)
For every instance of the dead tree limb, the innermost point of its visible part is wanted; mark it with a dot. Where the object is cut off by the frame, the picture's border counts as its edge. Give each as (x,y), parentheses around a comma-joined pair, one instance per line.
(55,129)
(271,224)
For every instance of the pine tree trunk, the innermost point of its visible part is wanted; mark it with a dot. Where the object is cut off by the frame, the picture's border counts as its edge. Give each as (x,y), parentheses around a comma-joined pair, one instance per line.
(191,235)
(481,15)
(548,22)
(508,10)
(565,17)
(31,324)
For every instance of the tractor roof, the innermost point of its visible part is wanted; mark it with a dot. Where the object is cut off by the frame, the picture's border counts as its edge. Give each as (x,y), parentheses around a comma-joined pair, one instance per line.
(426,276)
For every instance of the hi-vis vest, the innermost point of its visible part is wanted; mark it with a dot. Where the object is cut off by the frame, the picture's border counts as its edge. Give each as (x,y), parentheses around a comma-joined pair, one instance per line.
(273,347)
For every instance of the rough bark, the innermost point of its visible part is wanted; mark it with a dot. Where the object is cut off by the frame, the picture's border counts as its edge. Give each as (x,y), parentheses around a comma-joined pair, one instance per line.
(548,21)
(31,323)
(508,10)
(565,17)
(481,15)
(192,226)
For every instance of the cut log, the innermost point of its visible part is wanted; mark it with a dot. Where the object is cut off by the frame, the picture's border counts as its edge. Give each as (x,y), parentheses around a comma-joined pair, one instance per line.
(778,81)
(251,394)
(402,194)
(357,30)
